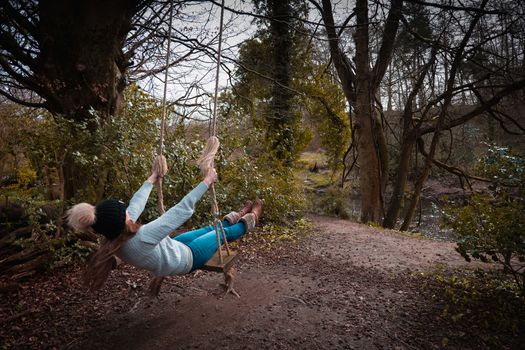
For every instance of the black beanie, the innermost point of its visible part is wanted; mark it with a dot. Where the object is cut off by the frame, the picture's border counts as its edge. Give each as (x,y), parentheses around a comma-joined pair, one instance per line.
(110,218)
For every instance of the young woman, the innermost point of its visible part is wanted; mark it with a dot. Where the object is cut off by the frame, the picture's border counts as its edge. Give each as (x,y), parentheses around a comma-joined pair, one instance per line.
(149,246)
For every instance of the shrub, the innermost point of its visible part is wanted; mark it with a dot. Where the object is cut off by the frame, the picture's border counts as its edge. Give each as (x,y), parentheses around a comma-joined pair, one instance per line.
(114,158)
(335,202)
(482,309)
(491,229)
(492,226)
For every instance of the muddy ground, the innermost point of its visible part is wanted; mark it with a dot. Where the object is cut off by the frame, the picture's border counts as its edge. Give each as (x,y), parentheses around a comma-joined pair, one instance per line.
(343,286)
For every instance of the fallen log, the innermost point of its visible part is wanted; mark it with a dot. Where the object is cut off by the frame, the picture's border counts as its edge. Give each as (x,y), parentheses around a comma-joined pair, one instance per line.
(16,234)
(28,268)
(23,255)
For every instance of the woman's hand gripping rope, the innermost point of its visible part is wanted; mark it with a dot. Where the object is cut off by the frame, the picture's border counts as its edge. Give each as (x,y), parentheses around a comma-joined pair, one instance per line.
(158,169)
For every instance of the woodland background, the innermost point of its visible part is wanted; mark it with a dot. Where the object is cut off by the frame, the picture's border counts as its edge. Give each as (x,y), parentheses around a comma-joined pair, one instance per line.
(402,114)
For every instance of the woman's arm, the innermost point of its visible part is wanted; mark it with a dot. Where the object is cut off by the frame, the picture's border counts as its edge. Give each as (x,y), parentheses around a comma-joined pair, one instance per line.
(156,230)
(139,200)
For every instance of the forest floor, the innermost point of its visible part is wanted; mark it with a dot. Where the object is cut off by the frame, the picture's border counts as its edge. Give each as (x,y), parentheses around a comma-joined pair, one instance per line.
(343,285)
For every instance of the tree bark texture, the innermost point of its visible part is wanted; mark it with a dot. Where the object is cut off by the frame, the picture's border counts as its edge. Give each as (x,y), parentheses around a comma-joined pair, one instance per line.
(81,64)
(360,85)
(75,60)
(399,185)
(370,174)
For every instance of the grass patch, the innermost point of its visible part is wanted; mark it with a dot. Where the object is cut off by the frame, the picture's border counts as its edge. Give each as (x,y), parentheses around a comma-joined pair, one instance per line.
(319,180)
(310,159)
(325,195)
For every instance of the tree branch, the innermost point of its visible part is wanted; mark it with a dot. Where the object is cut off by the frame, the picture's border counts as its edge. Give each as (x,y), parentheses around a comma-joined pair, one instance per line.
(387,44)
(22,102)
(500,120)
(340,60)
(457,8)
(22,21)
(8,43)
(477,111)
(452,169)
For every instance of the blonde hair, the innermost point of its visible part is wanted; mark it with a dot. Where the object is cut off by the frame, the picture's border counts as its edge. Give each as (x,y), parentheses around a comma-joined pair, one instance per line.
(81,217)
(103,260)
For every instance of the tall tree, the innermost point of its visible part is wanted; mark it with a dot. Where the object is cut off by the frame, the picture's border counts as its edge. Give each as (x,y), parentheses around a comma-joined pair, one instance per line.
(280,132)
(70,53)
(409,58)
(282,139)
(361,85)
(452,50)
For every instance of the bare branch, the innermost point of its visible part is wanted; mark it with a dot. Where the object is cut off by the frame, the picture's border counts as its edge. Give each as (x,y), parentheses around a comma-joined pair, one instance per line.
(22,102)
(452,169)
(457,8)
(343,66)
(480,109)
(387,44)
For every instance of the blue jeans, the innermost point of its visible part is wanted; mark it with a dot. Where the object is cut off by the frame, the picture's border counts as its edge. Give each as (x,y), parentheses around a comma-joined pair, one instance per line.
(203,243)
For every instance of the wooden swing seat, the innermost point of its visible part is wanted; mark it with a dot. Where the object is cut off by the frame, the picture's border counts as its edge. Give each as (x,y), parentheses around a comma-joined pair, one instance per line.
(215,265)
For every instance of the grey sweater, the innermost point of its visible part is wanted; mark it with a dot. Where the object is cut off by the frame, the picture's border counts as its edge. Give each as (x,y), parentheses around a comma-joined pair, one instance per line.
(152,248)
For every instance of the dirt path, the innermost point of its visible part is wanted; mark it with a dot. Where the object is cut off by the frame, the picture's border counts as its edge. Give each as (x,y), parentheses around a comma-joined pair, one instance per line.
(345,286)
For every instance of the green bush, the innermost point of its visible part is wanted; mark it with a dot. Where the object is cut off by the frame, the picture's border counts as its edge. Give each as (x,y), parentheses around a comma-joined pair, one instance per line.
(492,226)
(335,202)
(115,158)
(491,229)
(503,167)
(480,303)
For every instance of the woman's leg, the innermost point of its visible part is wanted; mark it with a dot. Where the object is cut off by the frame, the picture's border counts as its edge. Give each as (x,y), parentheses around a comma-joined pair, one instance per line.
(234,232)
(189,236)
(204,246)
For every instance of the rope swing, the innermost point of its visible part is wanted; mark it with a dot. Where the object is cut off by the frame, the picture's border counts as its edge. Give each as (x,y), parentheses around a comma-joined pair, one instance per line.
(160,162)
(219,262)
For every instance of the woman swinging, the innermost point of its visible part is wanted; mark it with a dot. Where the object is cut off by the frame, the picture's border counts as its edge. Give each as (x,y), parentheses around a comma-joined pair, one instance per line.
(149,246)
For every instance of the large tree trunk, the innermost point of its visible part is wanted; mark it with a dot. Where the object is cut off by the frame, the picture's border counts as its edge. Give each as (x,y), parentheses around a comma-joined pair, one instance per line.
(400,183)
(360,88)
(370,178)
(408,141)
(81,63)
(370,173)
(73,178)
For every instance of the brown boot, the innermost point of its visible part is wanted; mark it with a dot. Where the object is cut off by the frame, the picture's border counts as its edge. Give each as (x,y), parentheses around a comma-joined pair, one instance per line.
(234,216)
(252,218)
(246,209)
(257,209)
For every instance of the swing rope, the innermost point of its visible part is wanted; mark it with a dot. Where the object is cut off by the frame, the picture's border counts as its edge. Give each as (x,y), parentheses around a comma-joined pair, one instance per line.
(213,130)
(158,165)
(206,161)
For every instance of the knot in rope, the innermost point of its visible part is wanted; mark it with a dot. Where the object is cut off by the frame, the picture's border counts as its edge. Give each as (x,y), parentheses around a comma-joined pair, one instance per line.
(205,162)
